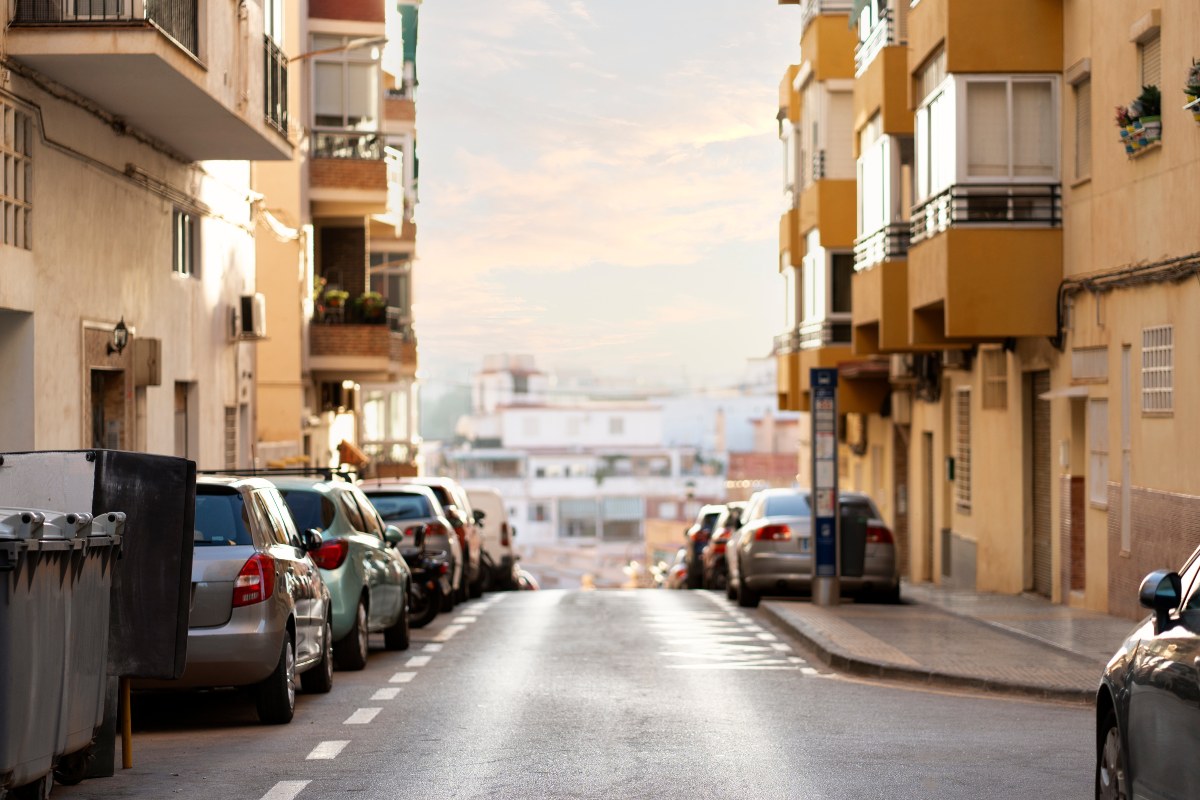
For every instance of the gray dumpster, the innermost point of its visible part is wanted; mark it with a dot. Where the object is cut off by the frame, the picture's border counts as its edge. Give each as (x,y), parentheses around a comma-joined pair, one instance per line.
(55,574)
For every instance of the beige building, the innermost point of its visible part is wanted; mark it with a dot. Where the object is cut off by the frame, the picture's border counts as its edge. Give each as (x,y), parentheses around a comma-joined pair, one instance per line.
(1023,267)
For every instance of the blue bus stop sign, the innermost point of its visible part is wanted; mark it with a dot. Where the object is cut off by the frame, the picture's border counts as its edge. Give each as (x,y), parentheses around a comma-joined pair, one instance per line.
(824,471)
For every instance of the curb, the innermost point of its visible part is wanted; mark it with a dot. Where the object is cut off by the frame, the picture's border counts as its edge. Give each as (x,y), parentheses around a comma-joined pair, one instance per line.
(869,668)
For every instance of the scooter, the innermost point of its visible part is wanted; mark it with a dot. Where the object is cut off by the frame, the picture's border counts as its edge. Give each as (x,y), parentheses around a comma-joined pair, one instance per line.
(430,580)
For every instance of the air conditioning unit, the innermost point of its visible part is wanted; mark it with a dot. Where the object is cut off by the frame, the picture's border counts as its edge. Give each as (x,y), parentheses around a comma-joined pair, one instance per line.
(249,318)
(902,368)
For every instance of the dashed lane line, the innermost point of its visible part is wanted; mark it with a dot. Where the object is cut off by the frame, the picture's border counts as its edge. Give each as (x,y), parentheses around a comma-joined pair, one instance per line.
(362,716)
(767,637)
(417,661)
(432,648)
(326,751)
(464,620)
(386,694)
(285,790)
(402,677)
(447,633)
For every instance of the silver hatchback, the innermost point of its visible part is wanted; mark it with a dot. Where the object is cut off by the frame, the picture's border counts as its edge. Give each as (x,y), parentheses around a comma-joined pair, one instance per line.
(773,553)
(260,614)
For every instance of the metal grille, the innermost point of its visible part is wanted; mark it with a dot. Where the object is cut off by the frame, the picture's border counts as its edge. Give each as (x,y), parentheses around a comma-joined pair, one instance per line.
(176,18)
(962,449)
(231,416)
(1158,371)
(16,177)
(275,80)
(1089,364)
(995,379)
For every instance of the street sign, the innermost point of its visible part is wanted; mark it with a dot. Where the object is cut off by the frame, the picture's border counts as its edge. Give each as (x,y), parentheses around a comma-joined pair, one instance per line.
(823,383)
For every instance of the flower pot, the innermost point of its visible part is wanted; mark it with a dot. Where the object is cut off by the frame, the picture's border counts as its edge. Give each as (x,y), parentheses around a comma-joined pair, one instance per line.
(1191,98)
(1152,128)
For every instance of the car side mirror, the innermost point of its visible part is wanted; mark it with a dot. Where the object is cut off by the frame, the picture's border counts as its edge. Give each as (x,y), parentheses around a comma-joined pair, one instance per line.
(419,532)
(479,515)
(393,535)
(1161,591)
(312,540)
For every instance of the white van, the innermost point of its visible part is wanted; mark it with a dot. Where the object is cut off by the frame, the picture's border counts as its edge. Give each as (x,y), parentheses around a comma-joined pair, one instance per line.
(497,537)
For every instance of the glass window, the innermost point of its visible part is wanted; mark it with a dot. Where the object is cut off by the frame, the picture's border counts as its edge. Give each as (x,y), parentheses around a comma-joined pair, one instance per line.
(183,242)
(396,507)
(353,516)
(709,521)
(221,519)
(346,84)
(268,512)
(987,124)
(842,267)
(787,505)
(1011,128)
(310,508)
(371,521)
(287,522)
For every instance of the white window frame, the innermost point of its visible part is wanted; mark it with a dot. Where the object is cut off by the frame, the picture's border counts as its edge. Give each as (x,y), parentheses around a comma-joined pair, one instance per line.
(185,242)
(1158,370)
(962,90)
(344,59)
(1098,450)
(16,173)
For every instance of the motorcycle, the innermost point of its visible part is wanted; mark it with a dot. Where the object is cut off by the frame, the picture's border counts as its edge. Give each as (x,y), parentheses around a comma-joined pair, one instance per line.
(430,580)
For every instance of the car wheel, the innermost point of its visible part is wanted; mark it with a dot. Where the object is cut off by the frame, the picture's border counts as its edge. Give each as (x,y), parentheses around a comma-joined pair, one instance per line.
(423,606)
(730,591)
(1112,780)
(276,697)
(351,651)
(890,595)
(396,637)
(73,767)
(319,679)
(746,597)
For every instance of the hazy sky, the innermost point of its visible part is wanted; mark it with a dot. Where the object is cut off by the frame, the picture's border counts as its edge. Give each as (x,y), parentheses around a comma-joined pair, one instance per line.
(600,183)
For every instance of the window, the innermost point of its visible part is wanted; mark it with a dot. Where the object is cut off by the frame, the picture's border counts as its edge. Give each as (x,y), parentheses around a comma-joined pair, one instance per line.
(995,379)
(1097,434)
(934,140)
(842,267)
(311,510)
(351,509)
(220,519)
(1158,369)
(183,242)
(962,450)
(1010,128)
(1089,364)
(1150,61)
(391,275)
(346,85)
(537,513)
(274,66)
(1083,129)
(16,177)
(873,178)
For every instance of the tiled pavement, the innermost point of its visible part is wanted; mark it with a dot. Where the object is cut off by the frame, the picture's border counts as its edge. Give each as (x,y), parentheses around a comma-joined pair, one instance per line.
(1020,644)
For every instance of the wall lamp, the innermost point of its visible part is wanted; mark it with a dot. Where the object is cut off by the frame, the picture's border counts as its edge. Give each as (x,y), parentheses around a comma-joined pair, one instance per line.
(120,338)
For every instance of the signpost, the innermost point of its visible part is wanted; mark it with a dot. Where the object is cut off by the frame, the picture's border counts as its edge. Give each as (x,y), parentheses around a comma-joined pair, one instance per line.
(825,588)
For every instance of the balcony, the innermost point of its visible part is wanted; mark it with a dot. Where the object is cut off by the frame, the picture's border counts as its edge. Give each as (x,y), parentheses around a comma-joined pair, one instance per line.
(364,352)
(985,263)
(977,36)
(95,48)
(811,9)
(791,243)
(880,311)
(890,30)
(886,244)
(881,86)
(829,204)
(827,42)
(348,173)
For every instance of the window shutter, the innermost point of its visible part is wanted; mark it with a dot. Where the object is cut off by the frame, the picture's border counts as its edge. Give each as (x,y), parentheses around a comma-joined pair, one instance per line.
(1150,53)
(987,129)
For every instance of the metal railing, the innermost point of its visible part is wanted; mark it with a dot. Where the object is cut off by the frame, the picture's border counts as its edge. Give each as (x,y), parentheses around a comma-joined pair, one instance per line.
(397,322)
(367,145)
(275,98)
(818,165)
(883,34)
(982,205)
(786,343)
(809,9)
(177,18)
(889,242)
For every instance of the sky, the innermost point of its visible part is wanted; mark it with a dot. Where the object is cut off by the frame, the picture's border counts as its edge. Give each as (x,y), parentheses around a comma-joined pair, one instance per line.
(600,184)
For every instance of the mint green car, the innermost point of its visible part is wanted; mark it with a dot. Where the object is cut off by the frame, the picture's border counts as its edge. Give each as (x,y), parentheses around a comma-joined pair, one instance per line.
(359,561)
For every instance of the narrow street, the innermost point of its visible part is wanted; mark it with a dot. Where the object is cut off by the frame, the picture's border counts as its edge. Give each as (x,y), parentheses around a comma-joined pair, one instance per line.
(604,695)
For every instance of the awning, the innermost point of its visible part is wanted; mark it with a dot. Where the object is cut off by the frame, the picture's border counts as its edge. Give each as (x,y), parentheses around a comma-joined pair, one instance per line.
(1066,391)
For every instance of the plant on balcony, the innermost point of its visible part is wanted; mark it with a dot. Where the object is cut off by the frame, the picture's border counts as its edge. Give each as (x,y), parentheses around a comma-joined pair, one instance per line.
(1148,110)
(371,307)
(335,298)
(1192,87)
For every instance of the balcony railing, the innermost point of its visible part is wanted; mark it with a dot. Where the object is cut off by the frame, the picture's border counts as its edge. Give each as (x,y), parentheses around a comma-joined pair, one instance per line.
(809,9)
(275,85)
(885,33)
(176,18)
(814,334)
(366,146)
(786,343)
(984,205)
(885,244)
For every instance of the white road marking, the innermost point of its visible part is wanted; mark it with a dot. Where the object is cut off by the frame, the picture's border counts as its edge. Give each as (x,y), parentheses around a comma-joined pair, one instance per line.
(326,751)
(809,671)
(767,637)
(362,716)
(464,619)
(417,661)
(447,633)
(285,790)
(386,694)
(403,677)
(796,659)
(780,646)
(432,648)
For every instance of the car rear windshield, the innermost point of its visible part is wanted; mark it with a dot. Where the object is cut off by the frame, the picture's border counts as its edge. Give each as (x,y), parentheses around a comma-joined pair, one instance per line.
(401,506)
(220,520)
(709,520)
(310,508)
(787,505)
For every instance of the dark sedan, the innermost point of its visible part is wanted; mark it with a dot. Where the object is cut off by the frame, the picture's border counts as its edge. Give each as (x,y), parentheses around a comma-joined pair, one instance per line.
(1148,706)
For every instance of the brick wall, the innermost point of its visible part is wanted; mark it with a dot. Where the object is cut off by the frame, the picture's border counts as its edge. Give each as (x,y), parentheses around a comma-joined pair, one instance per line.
(403,353)
(399,110)
(350,340)
(1165,531)
(342,259)
(348,173)
(356,10)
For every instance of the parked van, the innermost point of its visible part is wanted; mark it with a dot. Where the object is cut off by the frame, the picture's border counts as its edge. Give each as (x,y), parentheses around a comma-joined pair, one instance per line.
(498,537)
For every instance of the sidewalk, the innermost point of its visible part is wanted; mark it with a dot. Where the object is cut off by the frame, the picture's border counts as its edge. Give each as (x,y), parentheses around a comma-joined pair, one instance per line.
(1017,644)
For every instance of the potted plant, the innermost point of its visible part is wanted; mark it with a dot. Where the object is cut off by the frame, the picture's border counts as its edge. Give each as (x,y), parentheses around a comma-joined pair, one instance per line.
(1192,88)
(372,306)
(1126,127)
(335,300)
(1149,112)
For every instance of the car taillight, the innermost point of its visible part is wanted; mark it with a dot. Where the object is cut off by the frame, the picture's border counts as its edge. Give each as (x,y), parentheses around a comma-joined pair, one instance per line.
(443,568)
(256,582)
(719,547)
(877,534)
(773,533)
(413,530)
(331,555)
(504,534)
(723,536)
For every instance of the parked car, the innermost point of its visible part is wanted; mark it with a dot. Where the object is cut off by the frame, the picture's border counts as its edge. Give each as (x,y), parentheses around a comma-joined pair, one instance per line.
(712,557)
(367,577)
(697,537)
(457,507)
(1148,704)
(677,572)
(407,506)
(774,551)
(260,613)
(497,537)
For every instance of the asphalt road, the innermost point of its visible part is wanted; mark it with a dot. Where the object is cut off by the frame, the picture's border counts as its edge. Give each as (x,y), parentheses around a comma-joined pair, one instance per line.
(650,694)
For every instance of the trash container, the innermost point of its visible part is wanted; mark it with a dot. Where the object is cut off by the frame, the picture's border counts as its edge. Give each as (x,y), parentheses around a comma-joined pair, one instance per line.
(55,582)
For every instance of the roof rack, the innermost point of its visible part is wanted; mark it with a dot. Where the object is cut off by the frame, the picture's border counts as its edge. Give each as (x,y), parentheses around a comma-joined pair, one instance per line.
(325,473)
